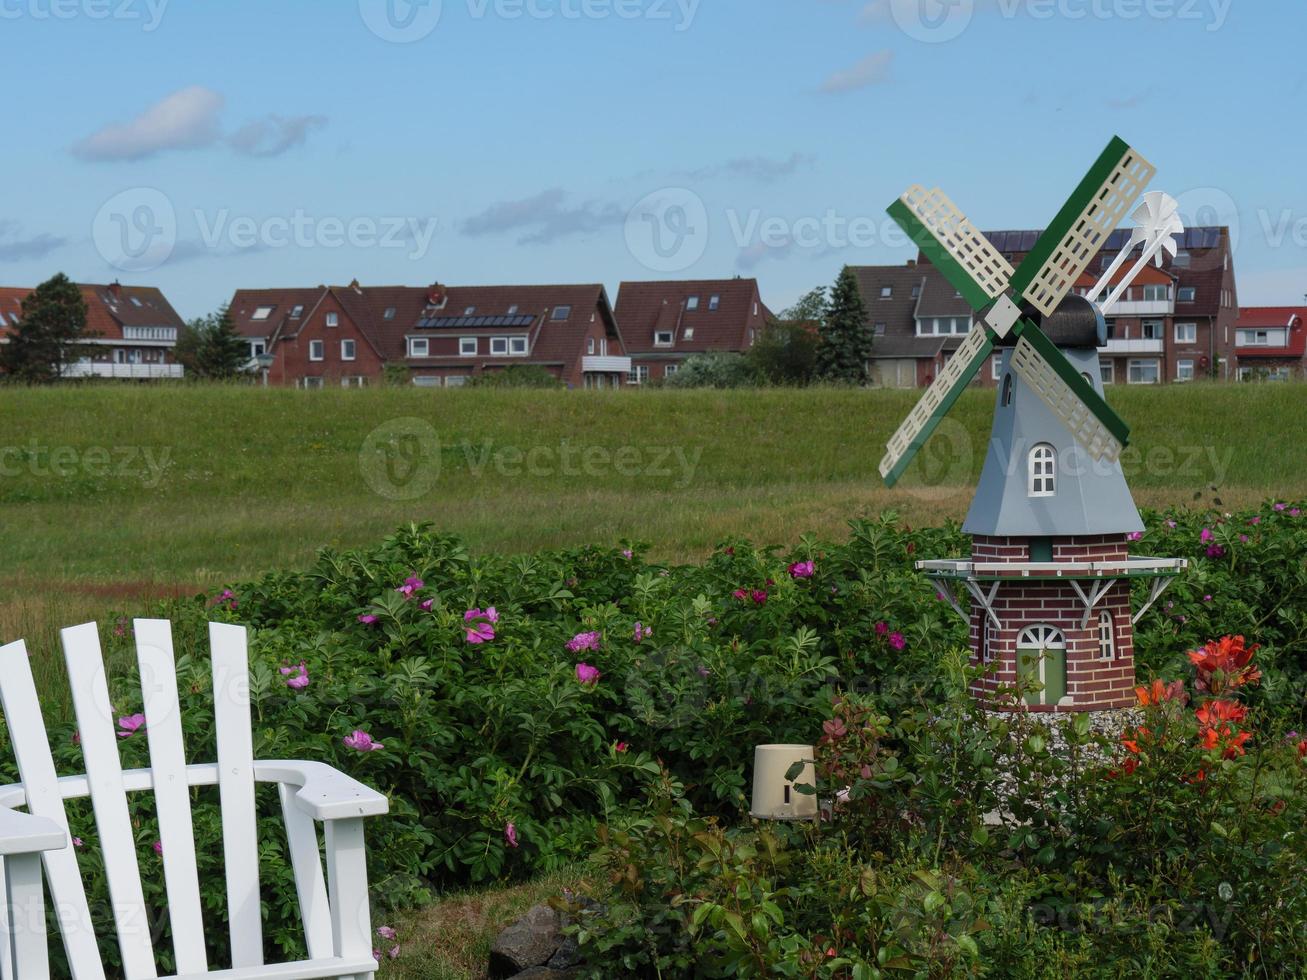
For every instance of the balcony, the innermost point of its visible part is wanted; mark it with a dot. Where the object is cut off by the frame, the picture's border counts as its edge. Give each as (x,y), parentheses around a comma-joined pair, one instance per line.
(1133,346)
(1143,307)
(126,372)
(605,364)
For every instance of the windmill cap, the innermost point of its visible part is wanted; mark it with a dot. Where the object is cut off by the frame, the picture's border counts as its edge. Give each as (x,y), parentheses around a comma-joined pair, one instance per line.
(1076,323)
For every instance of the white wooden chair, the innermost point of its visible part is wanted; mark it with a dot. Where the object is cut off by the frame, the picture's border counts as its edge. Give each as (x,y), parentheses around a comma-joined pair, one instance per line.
(334,911)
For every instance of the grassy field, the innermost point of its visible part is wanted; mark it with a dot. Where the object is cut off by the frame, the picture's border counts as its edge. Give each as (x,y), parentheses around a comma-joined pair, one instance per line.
(112,495)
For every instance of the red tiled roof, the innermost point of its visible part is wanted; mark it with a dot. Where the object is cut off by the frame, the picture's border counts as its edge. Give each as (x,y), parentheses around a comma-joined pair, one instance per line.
(108,308)
(1263,317)
(645,308)
(552,340)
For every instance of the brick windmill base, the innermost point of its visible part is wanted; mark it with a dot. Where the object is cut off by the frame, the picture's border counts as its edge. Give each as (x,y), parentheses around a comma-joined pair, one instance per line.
(1052,617)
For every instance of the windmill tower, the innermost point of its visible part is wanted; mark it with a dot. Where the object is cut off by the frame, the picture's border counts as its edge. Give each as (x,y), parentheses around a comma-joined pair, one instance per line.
(1049,578)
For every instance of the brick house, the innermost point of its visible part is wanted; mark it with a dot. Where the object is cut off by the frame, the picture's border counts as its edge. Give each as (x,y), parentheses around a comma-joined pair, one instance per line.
(131,331)
(666,322)
(1176,323)
(441,335)
(1271,343)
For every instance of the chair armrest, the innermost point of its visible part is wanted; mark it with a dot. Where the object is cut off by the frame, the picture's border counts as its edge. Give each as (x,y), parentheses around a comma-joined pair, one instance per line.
(22,833)
(324,793)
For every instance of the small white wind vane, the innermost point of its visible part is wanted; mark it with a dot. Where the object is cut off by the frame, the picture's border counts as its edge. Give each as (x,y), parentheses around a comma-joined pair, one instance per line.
(1158,222)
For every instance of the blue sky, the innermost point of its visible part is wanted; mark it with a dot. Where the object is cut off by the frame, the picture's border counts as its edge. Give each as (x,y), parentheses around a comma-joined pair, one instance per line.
(205,147)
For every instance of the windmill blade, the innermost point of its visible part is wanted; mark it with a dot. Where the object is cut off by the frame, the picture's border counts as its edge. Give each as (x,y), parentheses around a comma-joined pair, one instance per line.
(935,403)
(1075,236)
(965,257)
(1098,429)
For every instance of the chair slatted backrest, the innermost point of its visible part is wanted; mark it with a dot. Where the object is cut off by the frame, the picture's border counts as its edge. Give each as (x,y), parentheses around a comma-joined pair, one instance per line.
(163,727)
(118,846)
(36,767)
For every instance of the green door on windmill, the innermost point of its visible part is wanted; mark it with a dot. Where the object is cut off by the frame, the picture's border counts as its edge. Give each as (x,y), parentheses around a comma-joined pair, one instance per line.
(1041,662)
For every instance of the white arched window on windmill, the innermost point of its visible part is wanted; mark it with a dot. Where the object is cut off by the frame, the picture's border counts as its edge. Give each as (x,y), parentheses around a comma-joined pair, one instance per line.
(1041,661)
(1106,636)
(1043,471)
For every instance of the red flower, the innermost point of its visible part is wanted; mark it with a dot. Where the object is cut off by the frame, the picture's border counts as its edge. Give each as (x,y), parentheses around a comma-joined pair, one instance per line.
(1217,732)
(1214,712)
(1302,749)
(1159,692)
(1225,664)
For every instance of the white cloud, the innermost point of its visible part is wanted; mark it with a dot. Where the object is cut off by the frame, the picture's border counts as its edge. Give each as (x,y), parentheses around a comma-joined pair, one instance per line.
(185,120)
(871,70)
(274,135)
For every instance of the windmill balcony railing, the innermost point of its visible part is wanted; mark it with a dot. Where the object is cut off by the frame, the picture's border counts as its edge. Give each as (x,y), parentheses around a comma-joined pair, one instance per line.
(996,571)
(1143,307)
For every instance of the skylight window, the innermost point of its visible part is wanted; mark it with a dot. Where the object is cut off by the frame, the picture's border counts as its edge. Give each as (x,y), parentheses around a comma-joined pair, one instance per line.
(512,310)
(714,302)
(262,313)
(561,312)
(470,311)
(886,292)
(136,302)
(390,313)
(692,303)
(296,312)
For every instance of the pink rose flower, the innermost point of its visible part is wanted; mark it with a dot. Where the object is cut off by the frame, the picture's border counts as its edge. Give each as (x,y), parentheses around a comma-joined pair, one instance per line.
(361,741)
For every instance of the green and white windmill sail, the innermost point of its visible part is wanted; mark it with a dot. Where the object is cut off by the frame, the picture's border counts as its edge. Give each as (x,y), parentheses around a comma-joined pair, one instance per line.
(997,293)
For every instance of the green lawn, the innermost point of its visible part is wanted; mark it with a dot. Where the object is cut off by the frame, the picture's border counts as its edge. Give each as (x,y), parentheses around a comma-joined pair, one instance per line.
(109,494)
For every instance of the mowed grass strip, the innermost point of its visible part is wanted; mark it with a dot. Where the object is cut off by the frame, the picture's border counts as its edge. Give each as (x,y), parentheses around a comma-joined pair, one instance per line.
(110,494)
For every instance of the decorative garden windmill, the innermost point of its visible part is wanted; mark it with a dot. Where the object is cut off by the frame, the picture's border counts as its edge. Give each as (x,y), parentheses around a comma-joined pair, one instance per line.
(1050,573)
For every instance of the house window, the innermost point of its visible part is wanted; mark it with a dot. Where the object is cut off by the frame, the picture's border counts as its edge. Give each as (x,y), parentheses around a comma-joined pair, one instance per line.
(886,292)
(1107,370)
(688,333)
(1144,372)
(467,347)
(1041,664)
(714,302)
(1042,468)
(455,381)
(1186,294)
(418,346)
(390,313)
(296,312)
(1184,370)
(1153,329)
(347,350)
(1007,390)
(517,346)
(312,382)
(1186,333)
(663,338)
(353,381)
(498,346)
(1181,260)
(880,329)
(995,367)
(561,313)
(257,347)
(916,292)
(512,310)
(262,313)
(426,381)
(469,311)
(986,654)
(670,370)
(589,345)
(1106,636)
(638,375)
(317,350)
(1157,293)
(692,303)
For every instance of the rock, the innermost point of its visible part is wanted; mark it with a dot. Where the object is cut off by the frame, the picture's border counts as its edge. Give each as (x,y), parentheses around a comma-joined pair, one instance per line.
(528,942)
(545,973)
